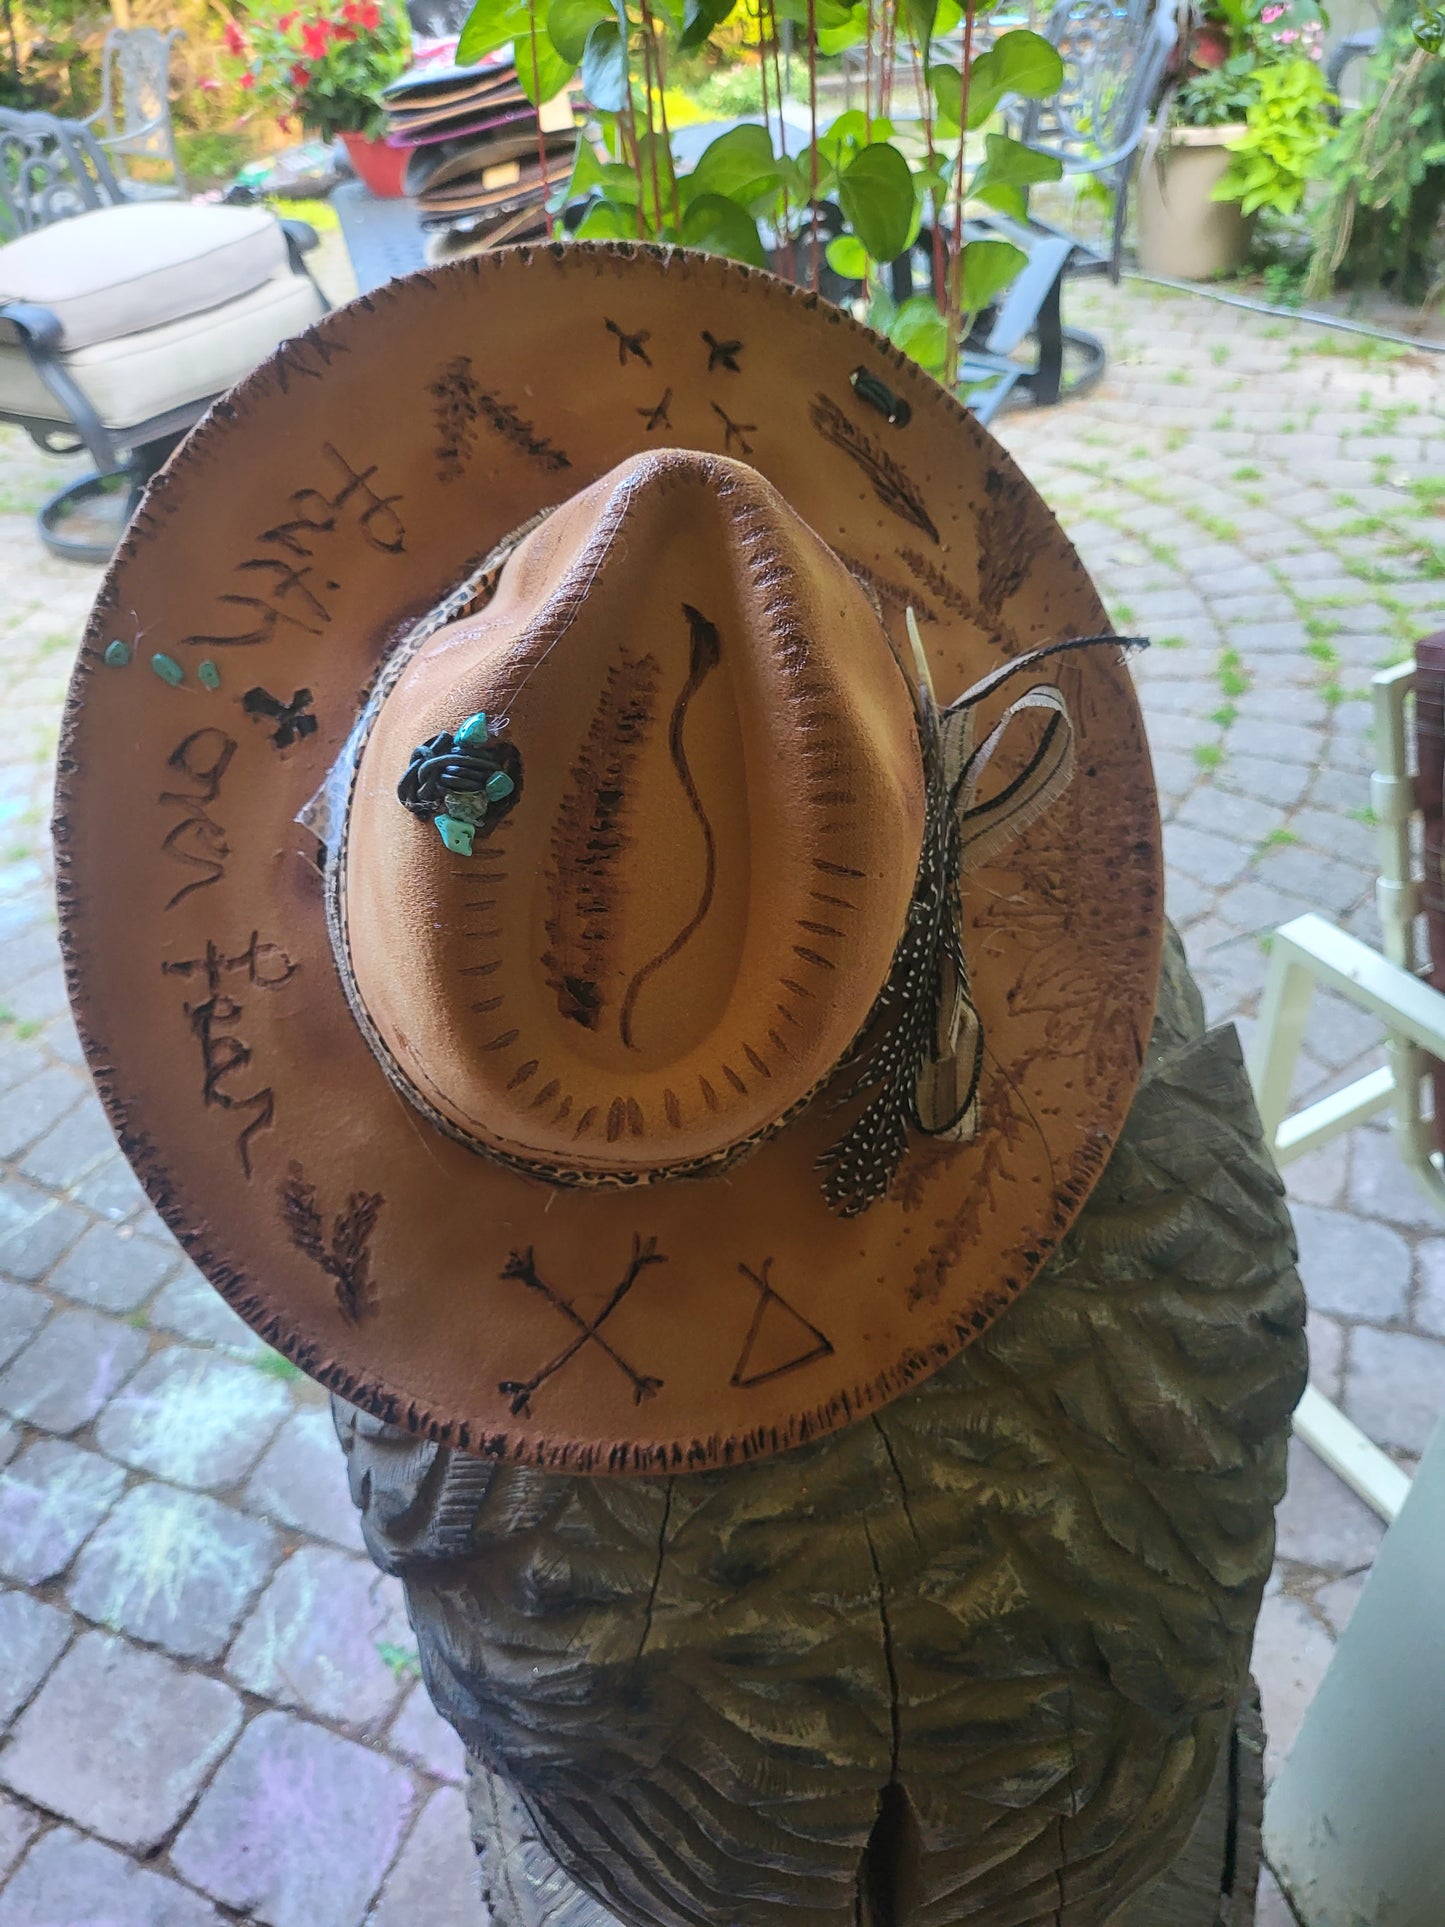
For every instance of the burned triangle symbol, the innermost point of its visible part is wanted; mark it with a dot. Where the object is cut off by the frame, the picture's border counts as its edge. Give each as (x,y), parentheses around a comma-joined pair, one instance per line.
(779,1339)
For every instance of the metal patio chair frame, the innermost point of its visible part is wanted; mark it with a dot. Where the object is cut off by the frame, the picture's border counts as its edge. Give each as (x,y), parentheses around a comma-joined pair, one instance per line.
(62,172)
(133,120)
(1310,952)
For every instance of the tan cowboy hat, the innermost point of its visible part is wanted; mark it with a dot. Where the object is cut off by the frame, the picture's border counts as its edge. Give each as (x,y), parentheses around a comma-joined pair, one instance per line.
(513,817)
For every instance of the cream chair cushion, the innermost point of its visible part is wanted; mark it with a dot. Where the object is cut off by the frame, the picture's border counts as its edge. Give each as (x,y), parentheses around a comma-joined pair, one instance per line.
(121,270)
(138,377)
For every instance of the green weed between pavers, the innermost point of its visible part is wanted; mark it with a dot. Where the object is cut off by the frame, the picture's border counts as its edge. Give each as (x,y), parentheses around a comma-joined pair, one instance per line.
(402,1660)
(1278,838)
(1234,679)
(1224,715)
(1364,815)
(1208,755)
(273,1365)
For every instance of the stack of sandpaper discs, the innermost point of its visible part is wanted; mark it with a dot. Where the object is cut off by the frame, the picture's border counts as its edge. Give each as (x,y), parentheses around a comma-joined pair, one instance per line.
(477,148)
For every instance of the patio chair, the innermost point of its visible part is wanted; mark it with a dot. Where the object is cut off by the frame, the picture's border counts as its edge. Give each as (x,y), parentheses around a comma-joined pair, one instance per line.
(133,121)
(1310,951)
(49,169)
(1114,59)
(120,323)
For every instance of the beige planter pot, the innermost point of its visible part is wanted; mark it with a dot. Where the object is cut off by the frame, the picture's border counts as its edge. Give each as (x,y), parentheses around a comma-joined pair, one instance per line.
(1183,234)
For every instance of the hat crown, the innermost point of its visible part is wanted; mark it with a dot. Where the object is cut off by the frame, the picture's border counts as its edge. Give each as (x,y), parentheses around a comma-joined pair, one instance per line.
(681,926)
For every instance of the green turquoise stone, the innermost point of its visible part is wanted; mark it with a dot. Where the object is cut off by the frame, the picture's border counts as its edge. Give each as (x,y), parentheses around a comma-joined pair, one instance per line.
(209,674)
(456,835)
(468,806)
(473,732)
(168,669)
(116,654)
(499,784)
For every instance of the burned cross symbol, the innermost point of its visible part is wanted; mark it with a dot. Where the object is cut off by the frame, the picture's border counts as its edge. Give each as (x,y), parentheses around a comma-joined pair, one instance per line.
(734,431)
(722,354)
(631,347)
(658,417)
(522,1265)
(293,720)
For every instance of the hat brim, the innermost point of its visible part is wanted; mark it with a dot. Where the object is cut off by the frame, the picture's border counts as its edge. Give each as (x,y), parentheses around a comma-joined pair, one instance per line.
(312,517)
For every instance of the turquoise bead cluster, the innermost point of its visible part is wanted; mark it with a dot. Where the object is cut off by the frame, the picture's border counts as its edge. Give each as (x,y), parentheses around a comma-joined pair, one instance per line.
(466,809)
(117,654)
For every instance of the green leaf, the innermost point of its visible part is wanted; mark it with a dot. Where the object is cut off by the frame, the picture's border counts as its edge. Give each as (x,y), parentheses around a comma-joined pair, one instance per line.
(717,225)
(921,16)
(489,25)
(947,85)
(847,256)
(1008,168)
(604,222)
(699,20)
(875,191)
(1026,63)
(921,332)
(987,269)
(604,68)
(542,72)
(570,21)
(740,165)
(833,41)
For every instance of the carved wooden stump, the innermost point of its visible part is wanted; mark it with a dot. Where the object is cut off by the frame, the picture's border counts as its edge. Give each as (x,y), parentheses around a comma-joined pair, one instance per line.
(975,1658)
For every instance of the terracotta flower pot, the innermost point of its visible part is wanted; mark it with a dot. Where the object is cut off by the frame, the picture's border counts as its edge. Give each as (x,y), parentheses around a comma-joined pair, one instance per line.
(1183,233)
(379,167)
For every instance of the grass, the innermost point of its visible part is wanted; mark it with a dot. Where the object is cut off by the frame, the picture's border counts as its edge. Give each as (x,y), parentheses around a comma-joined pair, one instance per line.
(1218,526)
(273,1365)
(1364,815)
(1170,642)
(1429,492)
(1176,439)
(1234,678)
(1224,715)
(1320,650)
(1365,348)
(1248,473)
(1208,755)
(1219,354)
(403,1662)
(1278,839)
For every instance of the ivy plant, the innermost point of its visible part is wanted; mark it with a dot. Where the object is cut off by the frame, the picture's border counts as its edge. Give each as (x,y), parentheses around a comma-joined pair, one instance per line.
(861,191)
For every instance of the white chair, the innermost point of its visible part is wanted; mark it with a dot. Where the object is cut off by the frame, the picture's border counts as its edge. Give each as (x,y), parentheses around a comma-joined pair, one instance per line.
(1311,951)
(119,327)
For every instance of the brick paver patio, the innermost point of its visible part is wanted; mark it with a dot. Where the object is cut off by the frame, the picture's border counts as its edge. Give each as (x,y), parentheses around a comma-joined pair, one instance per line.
(209,1697)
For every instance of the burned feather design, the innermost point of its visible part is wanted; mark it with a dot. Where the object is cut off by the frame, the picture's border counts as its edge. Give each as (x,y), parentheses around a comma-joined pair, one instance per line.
(888,481)
(346,1256)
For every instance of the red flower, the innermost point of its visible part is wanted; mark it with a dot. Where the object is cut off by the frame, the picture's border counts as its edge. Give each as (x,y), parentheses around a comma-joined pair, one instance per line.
(283,123)
(208,84)
(300,76)
(314,38)
(235,39)
(364,12)
(248,81)
(344,33)
(286,22)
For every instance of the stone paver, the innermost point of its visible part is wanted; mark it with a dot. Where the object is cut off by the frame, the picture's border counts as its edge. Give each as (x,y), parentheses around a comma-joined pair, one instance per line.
(52,1497)
(22,1313)
(32,1637)
(174,1569)
(298,1826)
(119,1740)
(435,1877)
(422,1736)
(64,1377)
(1248,527)
(301,1482)
(114,1269)
(193,1419)
(16,1828)
(66,1879)
(330,1635)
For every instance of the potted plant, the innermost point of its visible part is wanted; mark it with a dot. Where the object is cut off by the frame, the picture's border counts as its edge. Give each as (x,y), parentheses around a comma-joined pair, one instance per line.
(1191,226)
(852,197)
(327,69)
